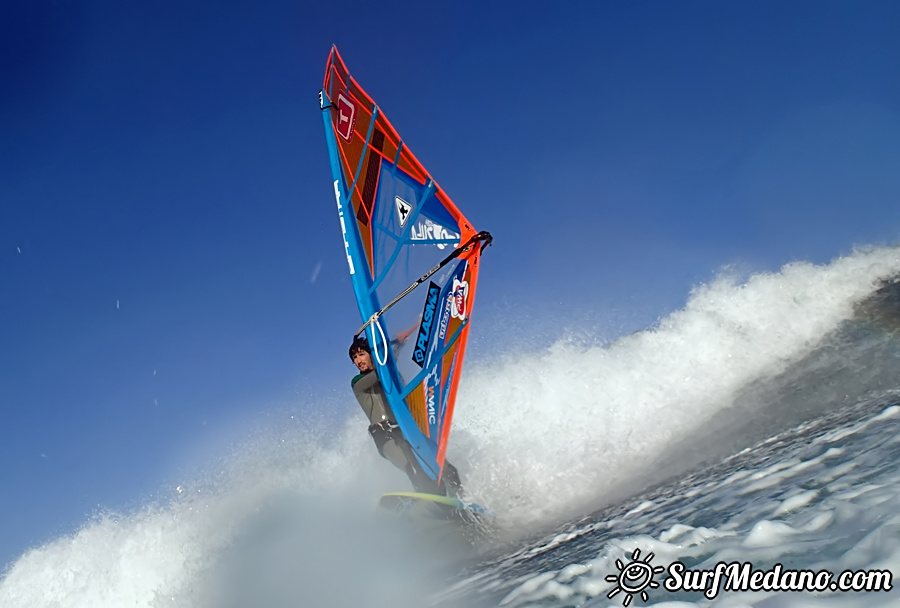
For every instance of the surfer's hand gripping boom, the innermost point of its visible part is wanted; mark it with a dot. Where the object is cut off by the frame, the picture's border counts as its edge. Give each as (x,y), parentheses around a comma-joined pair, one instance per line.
(467,246)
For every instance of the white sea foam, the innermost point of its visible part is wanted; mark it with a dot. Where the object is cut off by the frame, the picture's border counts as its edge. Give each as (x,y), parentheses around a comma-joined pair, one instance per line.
(820,531)
(287,517)
(550,433)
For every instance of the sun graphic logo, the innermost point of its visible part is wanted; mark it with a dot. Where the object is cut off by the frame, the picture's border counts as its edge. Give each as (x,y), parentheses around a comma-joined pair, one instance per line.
(634,577)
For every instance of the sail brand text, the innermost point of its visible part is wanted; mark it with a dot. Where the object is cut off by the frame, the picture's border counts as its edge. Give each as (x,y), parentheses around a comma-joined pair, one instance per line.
(427,325)
(429,231)
(445,318)
(337,197)
(432,414)
(432,383)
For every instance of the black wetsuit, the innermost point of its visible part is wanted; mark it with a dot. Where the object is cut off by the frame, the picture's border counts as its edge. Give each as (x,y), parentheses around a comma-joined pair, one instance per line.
(390,442)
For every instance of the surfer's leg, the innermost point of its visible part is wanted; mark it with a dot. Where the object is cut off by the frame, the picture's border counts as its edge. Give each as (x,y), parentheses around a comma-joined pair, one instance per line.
(380,435)
(422,482)
(392,446)
(387,446)
(450,479)
(396,450)
(395,454)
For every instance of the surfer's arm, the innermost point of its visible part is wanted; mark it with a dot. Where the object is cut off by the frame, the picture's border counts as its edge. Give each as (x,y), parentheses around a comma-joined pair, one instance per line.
(401,338)
(365,384)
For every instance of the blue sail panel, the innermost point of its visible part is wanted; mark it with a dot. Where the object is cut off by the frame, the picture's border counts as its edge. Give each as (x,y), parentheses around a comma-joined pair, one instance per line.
(398,225)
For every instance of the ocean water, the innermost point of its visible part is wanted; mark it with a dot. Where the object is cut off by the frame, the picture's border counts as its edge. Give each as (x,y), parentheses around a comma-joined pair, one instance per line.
(756,425)
(822,496)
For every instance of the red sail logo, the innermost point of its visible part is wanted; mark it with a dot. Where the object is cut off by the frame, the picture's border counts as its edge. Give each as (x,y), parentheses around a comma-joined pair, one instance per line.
(458,298)
(346,117)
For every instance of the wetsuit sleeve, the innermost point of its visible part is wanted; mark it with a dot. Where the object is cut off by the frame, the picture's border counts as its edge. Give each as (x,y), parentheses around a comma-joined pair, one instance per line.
(365,383)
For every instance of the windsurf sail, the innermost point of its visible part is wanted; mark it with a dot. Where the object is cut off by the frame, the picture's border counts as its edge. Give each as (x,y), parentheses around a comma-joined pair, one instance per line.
(413,260)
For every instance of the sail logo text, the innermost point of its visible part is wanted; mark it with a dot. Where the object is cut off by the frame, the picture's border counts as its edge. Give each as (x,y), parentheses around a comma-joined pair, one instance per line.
(458,296)
(346,117)
(430,383)
(427,326)
(429,231)
(432,415)
(445,317)
(337,196)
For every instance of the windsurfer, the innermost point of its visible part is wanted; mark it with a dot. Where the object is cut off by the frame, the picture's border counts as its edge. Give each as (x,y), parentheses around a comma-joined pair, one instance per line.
(383,427)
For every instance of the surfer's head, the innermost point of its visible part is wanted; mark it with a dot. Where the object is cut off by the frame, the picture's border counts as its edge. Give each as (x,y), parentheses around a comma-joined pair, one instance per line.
(361,355)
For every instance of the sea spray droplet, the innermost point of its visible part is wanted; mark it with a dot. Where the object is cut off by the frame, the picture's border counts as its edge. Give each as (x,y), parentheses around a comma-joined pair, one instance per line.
(315,273)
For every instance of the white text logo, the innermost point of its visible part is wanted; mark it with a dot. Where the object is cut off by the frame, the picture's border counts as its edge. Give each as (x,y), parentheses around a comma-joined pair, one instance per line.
(337,196)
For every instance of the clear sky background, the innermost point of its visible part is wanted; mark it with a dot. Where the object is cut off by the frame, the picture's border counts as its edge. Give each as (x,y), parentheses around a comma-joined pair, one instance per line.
(171,266)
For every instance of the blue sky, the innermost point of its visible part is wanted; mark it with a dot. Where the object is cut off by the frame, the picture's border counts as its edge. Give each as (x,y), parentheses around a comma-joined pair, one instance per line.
(171,267)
